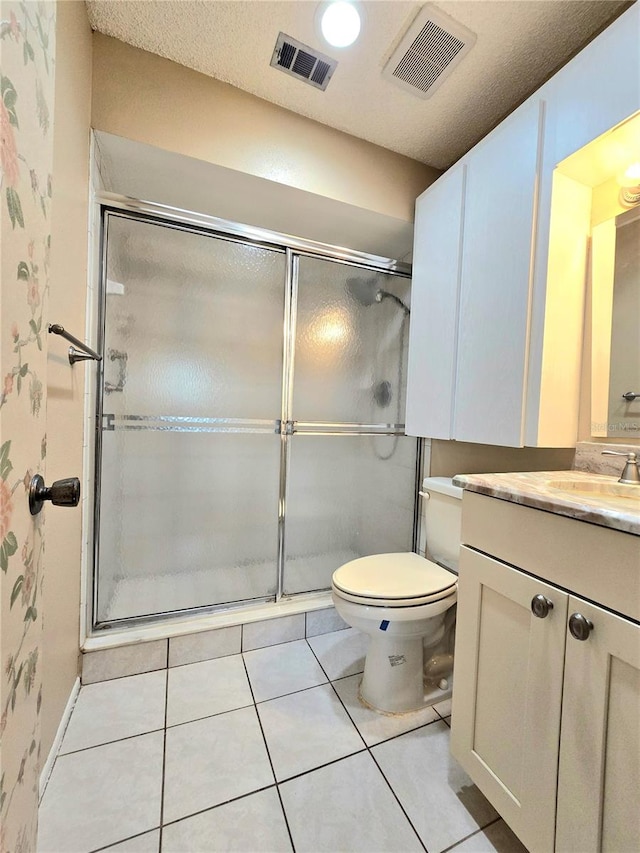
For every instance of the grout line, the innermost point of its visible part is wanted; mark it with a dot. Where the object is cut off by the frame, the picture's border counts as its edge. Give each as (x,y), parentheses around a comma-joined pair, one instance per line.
(109,742)
(471,834)
(210,716)
(368,750)
(322,766)
(119,677)
(216,806)
(164,750)
(122,840)
(397,799)
(266,746)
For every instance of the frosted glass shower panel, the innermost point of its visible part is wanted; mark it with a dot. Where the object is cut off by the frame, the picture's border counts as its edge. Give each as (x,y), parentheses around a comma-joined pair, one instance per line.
(193,324)
(351,344)
(187,520)
(361,503)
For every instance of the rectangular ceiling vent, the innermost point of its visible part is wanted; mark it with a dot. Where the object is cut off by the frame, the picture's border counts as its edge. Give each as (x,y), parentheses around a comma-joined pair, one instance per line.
(428,52)
(302,62)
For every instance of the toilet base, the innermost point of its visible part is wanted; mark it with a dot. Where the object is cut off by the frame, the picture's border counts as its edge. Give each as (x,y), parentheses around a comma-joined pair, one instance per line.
(433,695)
(393,681)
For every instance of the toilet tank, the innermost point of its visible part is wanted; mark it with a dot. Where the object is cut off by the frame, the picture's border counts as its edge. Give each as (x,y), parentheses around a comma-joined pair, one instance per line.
(441,521)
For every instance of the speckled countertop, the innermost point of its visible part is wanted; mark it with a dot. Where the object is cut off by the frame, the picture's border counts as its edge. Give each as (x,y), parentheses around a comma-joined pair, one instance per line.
(567,493)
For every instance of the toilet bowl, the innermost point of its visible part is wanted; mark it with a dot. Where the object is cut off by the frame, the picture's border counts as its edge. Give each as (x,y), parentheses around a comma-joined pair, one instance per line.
(405,603)
(400,601)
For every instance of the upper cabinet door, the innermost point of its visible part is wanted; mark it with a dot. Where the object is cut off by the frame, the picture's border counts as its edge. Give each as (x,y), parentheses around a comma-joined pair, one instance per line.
(496,281)
(434,307)
(597,90)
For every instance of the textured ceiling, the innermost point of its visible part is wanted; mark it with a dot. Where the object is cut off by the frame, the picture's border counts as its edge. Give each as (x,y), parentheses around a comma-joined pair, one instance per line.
(520,43)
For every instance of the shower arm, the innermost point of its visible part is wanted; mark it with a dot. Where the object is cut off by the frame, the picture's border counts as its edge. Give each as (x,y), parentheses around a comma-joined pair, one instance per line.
(384,294)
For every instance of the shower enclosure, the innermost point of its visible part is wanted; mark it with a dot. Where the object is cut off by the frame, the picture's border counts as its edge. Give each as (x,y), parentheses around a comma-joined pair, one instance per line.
(250,406)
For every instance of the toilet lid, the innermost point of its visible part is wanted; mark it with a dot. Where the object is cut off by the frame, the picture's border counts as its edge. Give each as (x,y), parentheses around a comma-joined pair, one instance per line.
(393,580)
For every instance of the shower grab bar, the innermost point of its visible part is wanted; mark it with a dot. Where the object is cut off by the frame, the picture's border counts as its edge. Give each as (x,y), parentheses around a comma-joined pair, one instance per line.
(85,354)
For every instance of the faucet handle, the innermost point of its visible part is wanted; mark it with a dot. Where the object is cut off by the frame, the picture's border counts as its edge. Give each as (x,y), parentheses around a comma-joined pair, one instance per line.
(630,473)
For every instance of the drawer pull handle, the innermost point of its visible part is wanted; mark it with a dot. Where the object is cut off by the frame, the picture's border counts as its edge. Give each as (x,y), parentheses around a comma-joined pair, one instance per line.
(541,606)
(579,626)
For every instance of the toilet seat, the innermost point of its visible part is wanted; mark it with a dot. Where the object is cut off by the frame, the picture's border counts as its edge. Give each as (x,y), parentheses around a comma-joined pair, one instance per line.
(393,580)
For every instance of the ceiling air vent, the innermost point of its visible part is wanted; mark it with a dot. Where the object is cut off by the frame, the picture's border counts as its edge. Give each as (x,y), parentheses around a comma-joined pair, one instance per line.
(303,62)
(428,52)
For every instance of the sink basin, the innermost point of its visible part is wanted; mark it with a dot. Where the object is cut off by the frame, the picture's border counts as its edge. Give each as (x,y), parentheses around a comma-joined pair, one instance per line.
(597,488)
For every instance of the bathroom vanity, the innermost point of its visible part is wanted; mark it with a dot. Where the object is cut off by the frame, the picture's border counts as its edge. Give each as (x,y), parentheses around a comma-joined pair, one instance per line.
(546,703)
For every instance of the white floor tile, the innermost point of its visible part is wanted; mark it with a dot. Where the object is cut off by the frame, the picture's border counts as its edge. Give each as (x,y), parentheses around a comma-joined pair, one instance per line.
(497,838)
(324,622)
(214,760)
(147,843)
(257,635)
(124,660)
(102,795)
(375,727)
(440,799)
(444,708)
(246,825)
(278,670)
(341,653)
(305,730)
(210,687)
(346,806)
(111,710)
(205,645)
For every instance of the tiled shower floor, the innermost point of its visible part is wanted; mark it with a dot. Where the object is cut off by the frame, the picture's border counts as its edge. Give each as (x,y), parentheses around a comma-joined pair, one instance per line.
(264,751)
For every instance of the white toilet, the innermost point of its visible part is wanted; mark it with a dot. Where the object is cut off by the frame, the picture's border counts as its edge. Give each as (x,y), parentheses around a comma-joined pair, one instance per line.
(405,603)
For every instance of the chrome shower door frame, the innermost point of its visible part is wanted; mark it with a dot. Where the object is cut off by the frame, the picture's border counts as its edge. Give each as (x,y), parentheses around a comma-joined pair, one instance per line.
(293,248)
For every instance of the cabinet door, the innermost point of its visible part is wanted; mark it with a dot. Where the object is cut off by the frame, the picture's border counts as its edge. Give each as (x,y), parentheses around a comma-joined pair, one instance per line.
(434,307)
(508,668)
(599,774)
(597,90)
(496,281)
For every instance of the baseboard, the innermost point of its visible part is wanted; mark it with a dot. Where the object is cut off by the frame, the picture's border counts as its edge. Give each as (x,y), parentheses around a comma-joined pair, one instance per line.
(57,741)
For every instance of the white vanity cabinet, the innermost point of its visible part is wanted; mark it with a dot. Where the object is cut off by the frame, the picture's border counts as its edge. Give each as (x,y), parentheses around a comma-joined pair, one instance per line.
(547,725)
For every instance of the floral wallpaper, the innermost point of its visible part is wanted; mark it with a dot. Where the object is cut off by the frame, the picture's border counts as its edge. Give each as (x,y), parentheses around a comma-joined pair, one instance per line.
(27,50)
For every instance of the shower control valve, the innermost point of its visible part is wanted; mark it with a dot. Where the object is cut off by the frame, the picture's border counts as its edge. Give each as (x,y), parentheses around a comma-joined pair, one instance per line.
(61,493)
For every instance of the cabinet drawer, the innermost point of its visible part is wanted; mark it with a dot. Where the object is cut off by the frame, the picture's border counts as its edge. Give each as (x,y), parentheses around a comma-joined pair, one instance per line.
(573,554)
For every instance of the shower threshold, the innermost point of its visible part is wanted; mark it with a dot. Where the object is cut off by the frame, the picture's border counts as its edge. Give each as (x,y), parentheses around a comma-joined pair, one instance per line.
(161,629)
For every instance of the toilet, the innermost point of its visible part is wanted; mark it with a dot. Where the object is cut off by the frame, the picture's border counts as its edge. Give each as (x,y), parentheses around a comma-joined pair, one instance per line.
(406,604)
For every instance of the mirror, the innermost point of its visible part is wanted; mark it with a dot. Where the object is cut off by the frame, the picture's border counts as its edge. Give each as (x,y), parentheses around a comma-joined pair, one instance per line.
(616,326)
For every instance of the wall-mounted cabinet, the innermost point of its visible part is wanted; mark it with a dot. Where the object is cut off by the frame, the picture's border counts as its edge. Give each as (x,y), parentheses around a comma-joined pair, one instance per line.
(500,263)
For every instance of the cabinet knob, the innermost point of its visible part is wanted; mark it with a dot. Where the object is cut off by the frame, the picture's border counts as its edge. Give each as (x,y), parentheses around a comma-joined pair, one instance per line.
(541,606)
(61,493)
(579,626)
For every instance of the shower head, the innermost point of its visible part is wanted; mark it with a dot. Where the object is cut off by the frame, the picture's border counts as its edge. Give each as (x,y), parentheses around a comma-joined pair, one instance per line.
(363,290)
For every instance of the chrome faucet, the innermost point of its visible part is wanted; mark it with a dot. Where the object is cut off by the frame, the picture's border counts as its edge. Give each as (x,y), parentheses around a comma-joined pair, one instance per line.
(630,473)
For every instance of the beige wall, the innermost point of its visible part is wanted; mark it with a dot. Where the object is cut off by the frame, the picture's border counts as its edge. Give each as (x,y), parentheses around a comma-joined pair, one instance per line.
(460,457)
(67,303)
(149,99)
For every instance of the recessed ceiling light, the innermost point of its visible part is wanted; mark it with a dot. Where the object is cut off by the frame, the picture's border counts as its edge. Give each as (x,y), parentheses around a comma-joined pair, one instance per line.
(340,23)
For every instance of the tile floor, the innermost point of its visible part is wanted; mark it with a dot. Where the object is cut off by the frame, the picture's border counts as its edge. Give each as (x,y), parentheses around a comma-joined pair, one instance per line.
(262,752)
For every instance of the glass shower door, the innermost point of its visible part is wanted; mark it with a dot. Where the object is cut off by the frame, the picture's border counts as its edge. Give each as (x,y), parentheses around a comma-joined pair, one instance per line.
(192,397)
(351,470)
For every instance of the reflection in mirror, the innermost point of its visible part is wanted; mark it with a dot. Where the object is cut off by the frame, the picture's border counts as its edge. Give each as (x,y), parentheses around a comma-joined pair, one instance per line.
(624,373)
(616,326)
